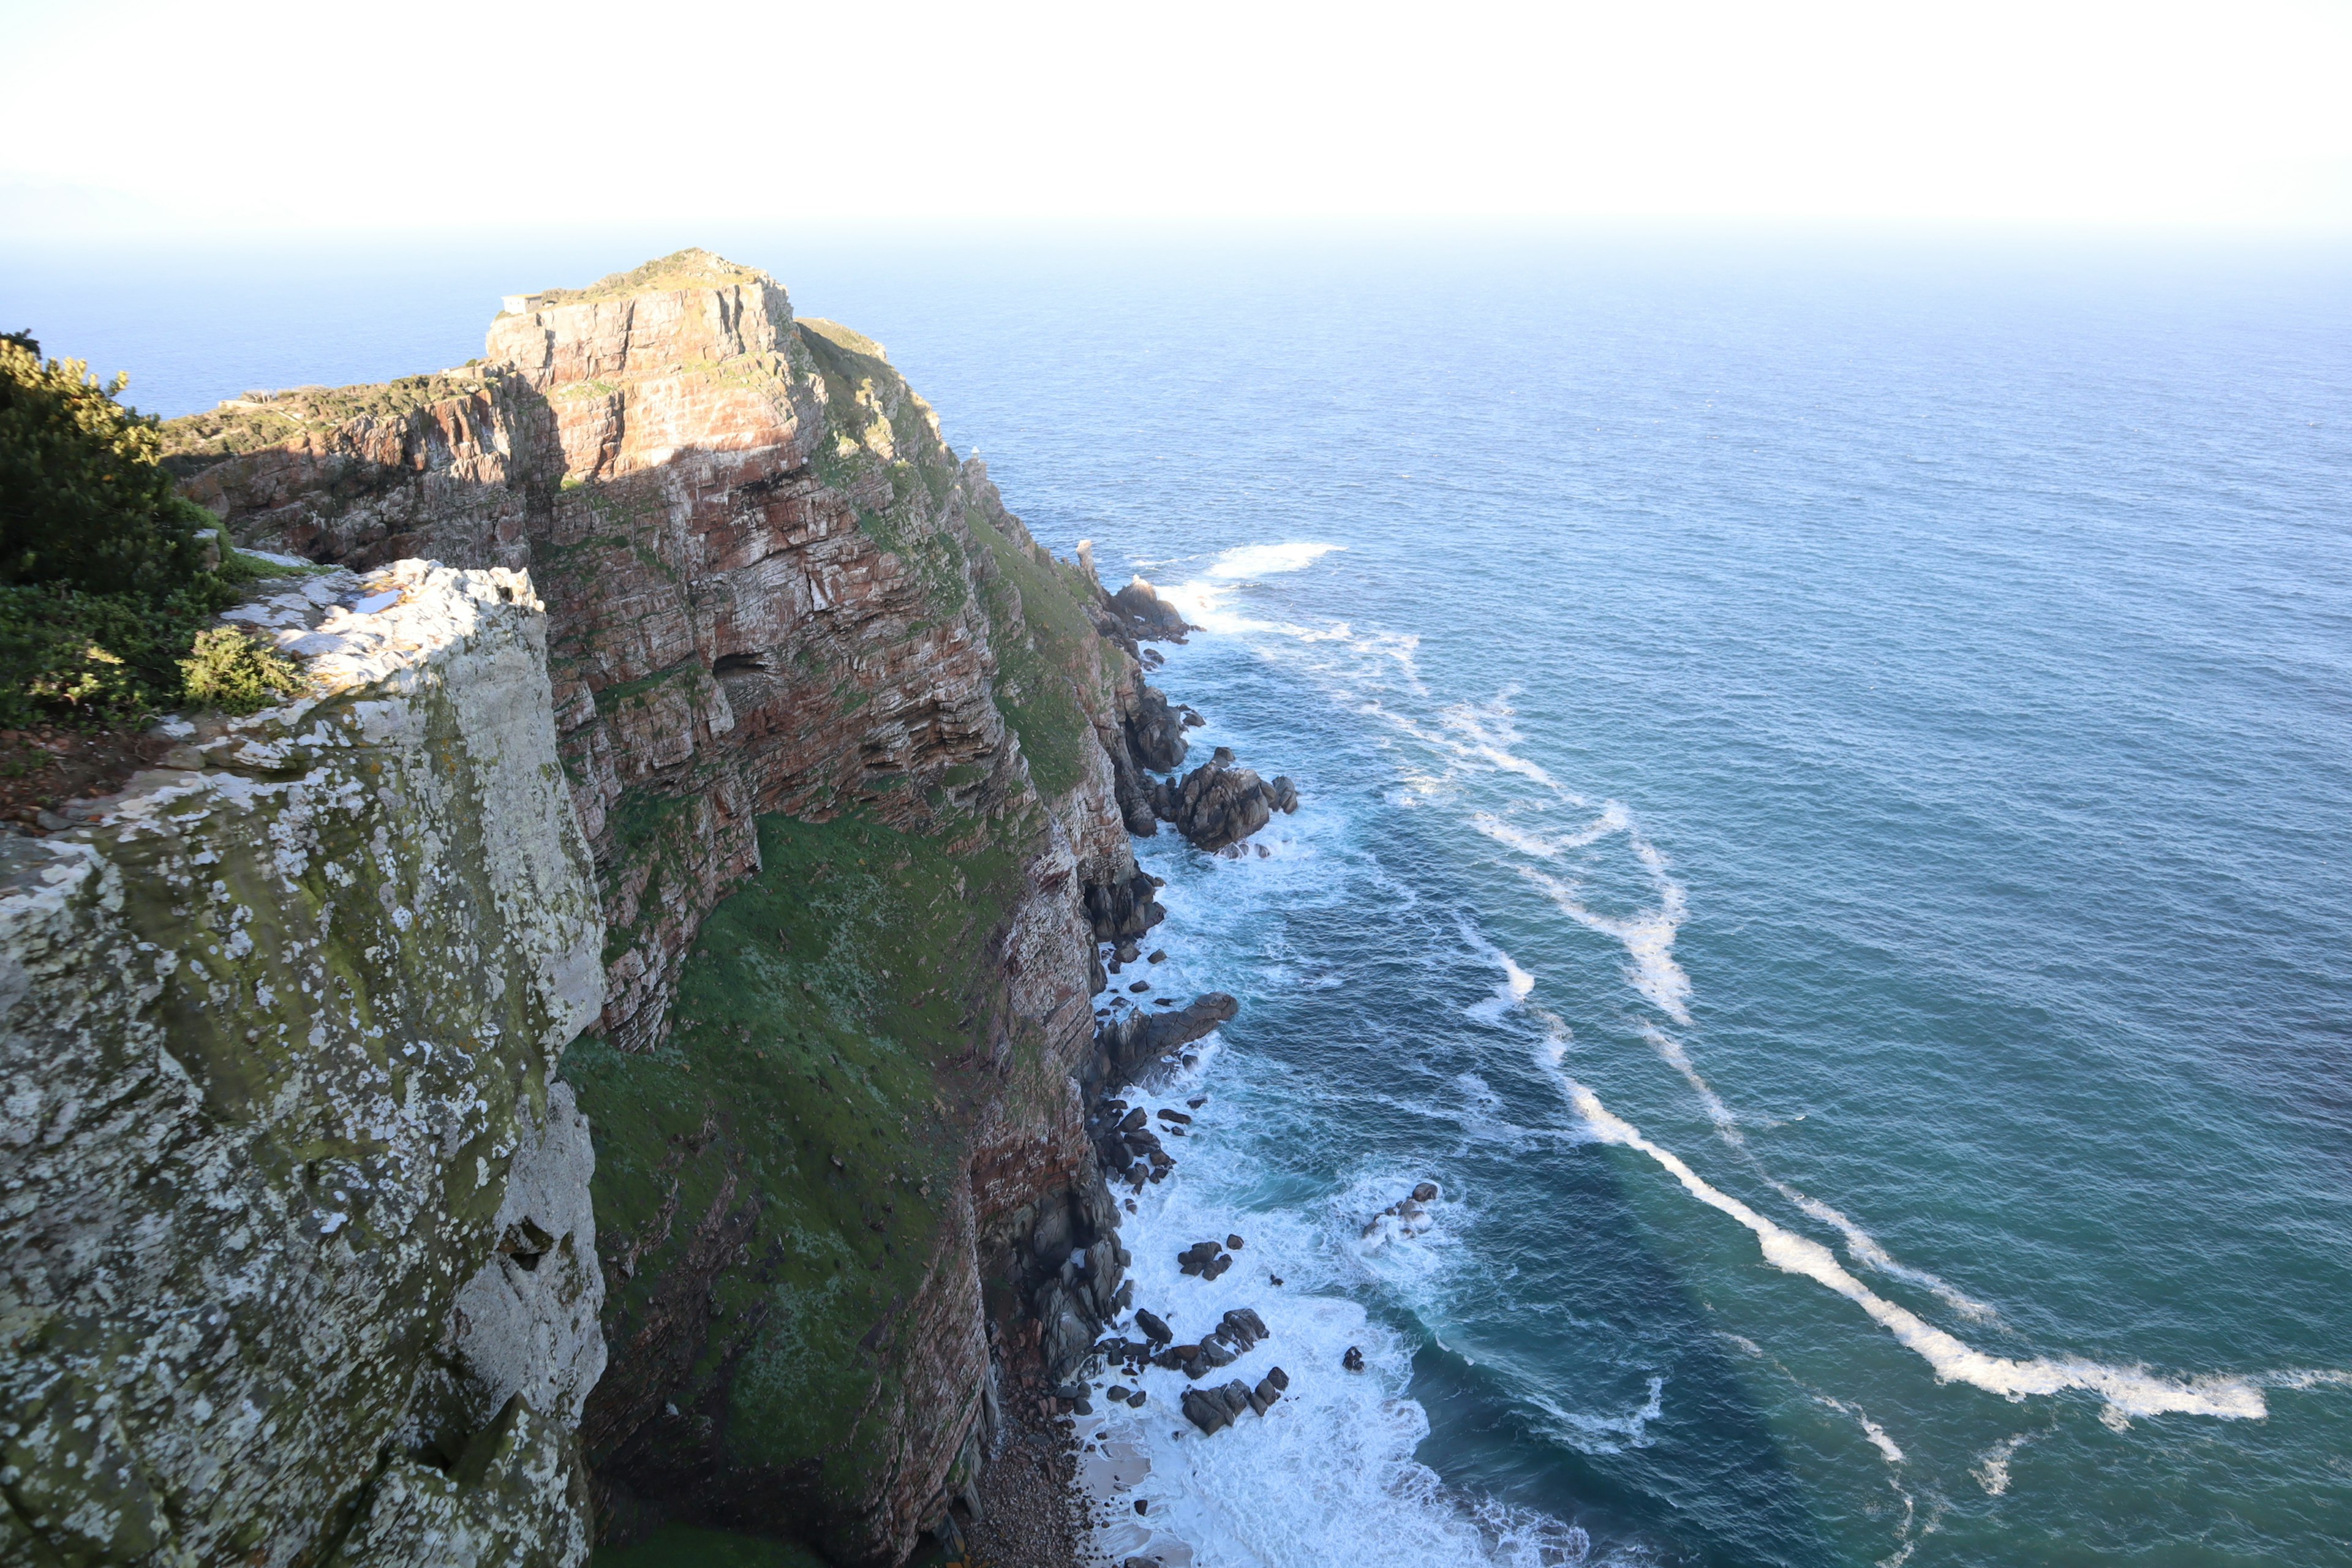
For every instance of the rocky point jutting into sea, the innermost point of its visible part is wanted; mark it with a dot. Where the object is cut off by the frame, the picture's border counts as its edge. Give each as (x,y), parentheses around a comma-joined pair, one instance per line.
(619,1047)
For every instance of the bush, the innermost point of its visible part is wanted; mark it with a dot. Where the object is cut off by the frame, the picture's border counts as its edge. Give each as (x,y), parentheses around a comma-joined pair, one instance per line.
(235,673)
(110,580)
(83,500)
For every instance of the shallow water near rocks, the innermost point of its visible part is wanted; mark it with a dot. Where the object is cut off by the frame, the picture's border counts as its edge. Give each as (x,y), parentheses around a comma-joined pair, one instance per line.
(1825,772)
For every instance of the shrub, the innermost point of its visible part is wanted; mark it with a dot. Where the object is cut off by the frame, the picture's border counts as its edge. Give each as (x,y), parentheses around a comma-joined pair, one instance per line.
(235,673)
(110,580)
(83,500)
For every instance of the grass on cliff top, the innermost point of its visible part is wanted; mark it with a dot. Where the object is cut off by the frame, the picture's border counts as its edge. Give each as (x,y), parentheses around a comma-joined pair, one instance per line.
(849,340)
(690,268)
(195,442)
(818,1020)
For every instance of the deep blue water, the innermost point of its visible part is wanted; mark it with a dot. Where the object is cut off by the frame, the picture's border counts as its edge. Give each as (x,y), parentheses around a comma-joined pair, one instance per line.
(1828,770)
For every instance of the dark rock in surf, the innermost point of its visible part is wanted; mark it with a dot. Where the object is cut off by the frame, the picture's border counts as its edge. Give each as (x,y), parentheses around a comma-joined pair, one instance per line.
(1129,1041)
(1154,731)
(1219,803)
(1144,615)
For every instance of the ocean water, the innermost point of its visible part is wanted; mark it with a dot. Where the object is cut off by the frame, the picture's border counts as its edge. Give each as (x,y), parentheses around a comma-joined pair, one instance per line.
(1827,770)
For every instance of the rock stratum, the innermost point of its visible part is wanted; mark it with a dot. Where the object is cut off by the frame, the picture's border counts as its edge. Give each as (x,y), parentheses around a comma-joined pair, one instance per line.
(618,1048)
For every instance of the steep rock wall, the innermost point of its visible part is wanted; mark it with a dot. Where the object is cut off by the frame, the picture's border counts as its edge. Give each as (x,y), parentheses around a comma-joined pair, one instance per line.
(297,1264)
(853,755)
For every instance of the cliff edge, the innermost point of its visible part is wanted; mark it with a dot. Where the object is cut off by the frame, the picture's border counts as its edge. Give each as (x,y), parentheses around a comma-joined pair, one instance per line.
(299,1264)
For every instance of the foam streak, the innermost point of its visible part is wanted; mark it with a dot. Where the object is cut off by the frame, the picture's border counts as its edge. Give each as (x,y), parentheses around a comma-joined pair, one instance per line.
(2129,1390)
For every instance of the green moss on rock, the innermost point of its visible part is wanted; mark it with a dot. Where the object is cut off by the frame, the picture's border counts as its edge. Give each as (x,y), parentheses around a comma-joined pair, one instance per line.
(813,1106)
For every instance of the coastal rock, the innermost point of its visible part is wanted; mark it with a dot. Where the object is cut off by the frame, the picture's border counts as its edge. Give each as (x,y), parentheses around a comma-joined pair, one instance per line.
(1130,1041)
(1219,803)
(1144,616)
(1123,909)
(1407,1216)
(1155,732)
(1214,1409)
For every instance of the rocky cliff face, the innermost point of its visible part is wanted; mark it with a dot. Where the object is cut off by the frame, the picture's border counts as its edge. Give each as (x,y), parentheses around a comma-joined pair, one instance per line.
(857,762)
(298,1263)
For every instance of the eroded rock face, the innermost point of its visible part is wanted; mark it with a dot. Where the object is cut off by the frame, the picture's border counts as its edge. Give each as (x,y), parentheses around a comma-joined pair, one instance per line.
(278,1025)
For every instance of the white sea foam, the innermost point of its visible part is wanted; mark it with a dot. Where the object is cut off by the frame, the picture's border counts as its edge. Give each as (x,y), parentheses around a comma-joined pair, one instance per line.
(1328,1475)
(1590,1434)
(2307,1378)
(1726,1125)
(2127,1391)
(1991,1468)
(1270,559)
(1614,819)
(1887,1448)
(1647,936)
(1863,1248)
(1516,983)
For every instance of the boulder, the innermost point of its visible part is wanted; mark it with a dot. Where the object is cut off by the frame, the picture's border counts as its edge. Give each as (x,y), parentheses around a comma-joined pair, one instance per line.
(1154,1327)
(1244,1327)
(1144,615)
(1219,803)
(1122,909)
(1154,731)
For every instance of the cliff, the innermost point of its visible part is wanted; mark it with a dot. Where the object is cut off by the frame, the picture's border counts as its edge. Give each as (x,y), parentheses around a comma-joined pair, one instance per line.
(855,762)
(298,1265)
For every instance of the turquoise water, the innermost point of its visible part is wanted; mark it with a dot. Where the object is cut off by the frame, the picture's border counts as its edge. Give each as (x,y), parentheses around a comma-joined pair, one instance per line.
(1827,780)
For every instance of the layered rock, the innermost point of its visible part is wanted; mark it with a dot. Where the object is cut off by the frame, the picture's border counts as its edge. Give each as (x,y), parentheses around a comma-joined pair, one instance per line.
(854,759)
(298,1263)
(1130,1040)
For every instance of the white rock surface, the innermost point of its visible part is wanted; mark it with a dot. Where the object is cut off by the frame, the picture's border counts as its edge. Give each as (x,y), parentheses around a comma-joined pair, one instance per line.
(278,1028)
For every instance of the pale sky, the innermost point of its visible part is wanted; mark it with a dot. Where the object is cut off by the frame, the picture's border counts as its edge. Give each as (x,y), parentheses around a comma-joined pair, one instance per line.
(229,114)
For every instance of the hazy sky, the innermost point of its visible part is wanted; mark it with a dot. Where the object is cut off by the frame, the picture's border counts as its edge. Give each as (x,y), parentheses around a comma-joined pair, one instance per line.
(233,115)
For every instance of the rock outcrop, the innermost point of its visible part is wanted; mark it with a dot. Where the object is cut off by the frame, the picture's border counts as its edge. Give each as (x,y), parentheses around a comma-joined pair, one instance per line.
(298,1263)
(1137,613)
(1220,803)
(1130,1039)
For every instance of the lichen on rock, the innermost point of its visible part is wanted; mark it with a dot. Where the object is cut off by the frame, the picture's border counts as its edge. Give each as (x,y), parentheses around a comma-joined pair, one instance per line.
(276,1023)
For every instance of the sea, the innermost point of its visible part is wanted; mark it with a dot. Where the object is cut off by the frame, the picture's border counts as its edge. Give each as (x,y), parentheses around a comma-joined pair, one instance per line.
(1826,764)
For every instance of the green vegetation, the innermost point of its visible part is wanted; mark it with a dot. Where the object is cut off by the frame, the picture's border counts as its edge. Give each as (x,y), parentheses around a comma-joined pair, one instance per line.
(195,442)
(231,671)
(685,1546)
(1039,676)
(691,269)
(107,576)
(811,1082)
